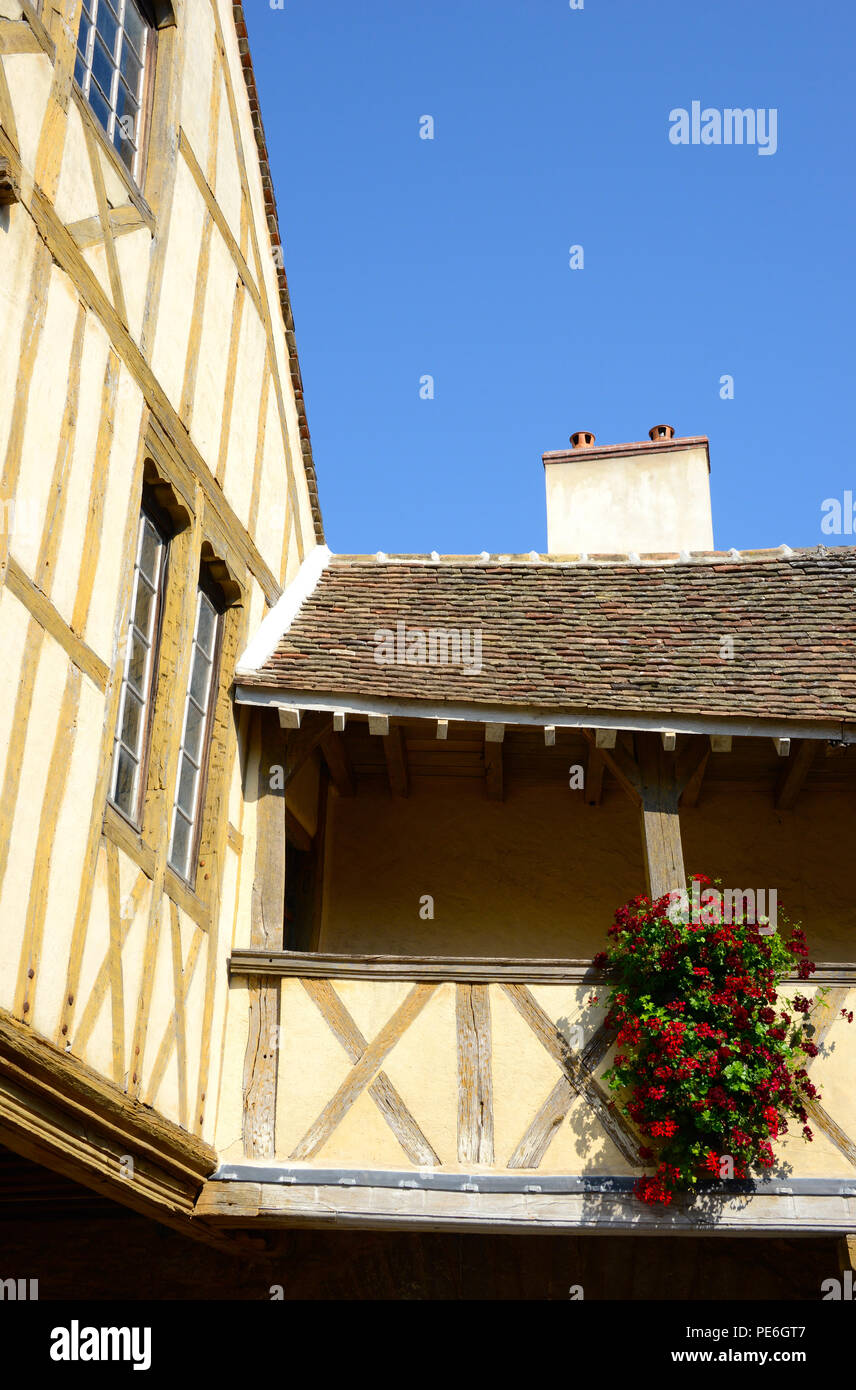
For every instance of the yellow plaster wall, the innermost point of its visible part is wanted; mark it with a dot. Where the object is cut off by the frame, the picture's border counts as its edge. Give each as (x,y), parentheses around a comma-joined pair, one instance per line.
(119,943)
(539,874)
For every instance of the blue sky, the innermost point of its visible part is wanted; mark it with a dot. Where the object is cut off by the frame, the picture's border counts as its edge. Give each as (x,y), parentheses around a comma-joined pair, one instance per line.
(450,257)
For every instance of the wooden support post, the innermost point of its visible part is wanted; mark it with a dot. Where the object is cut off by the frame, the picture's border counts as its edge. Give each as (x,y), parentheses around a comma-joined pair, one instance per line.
(267,915)
(268,899)
(661,831)
(494,735)
(395,753)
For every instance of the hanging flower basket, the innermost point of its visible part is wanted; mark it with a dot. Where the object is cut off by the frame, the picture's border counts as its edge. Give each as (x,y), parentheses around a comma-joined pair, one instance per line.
(710,1063)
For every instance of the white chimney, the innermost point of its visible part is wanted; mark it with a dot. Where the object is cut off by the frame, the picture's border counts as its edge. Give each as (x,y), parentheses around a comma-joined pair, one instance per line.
(648,497)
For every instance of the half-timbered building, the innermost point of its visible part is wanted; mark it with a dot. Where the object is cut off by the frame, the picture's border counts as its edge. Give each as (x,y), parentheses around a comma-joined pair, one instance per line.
(304,857)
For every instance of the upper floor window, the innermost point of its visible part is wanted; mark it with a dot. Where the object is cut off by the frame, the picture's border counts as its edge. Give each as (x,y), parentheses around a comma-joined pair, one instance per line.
(136,697)
(115,50)
(196,729)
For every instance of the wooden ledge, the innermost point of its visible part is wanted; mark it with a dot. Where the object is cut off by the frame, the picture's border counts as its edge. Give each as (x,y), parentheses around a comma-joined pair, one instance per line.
(58,1112)
(316,965)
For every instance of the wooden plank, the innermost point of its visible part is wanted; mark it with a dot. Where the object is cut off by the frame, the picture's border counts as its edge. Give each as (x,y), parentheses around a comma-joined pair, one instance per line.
(794,776)
(661,830)
(124,583)
(49,618)
(395,752)
(693,784)
(363,1073)
(544,1127)
(117,1000)
(16,36)
(245,1204)
(303,741)
(216,214)
(576,1071)
(618,760)
(382,1091)
(335,755)
(267,909)
(112,259)
(823,1121)
(260,1070)
(493,768)
(89,231)
(475,1082)
(467,969)
(175,1034)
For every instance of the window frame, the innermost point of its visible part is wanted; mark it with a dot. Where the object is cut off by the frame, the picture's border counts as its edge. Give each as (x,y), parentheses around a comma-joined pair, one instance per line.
(158,519)
(214,593)
(137,169)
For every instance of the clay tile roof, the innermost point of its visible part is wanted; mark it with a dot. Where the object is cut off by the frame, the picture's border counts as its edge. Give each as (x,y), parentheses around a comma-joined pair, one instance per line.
(585,633)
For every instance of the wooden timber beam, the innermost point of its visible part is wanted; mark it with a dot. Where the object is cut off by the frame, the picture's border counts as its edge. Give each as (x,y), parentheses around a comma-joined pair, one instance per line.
(395,753)
(494,735)
(303,741)
(619,761)
(9,191)
(654,780)
(791,782)
(335,755)
(267,918)
(661,830)
(58,1112)
(692,790)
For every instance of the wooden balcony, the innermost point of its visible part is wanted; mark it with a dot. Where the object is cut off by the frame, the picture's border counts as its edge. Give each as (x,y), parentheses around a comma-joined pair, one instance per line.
(470,1092)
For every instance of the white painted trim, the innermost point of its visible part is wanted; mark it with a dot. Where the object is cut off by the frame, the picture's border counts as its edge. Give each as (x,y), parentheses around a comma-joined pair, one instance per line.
(285,610)
(474,713)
